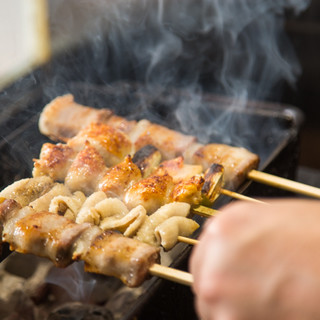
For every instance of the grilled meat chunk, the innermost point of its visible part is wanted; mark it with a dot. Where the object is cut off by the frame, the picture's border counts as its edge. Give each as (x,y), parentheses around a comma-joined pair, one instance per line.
(63,118)
(151,192)
(55,161)
(113,145)
(27,190)
(119,178)
(237,162)
(178,170)
(86,170)
(127,259)
(120,123)
(147,231)
(45,234)
(62,241)
(169,142)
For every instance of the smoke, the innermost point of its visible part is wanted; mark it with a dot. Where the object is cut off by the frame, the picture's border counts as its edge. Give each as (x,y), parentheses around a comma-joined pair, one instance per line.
(78,284)
(233,47)
(238,45)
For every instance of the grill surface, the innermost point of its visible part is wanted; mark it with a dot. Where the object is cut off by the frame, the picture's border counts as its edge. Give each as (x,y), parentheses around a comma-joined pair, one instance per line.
(273,135)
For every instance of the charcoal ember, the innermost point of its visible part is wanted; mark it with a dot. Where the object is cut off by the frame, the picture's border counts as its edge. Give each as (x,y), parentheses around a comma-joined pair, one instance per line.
(80,311)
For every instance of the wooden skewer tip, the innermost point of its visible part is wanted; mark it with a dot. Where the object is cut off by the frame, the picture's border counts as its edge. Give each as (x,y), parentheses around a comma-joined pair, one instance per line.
(171,274)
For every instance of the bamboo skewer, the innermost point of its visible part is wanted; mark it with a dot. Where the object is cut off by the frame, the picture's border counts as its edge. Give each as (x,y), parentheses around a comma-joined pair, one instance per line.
(238,196)
(284,184)
(204,211)
(188,240)
(171,274)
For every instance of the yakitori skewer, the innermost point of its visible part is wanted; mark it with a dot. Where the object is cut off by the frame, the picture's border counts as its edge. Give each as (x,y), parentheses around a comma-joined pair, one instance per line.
(108,253)
(63,118)
(284,184)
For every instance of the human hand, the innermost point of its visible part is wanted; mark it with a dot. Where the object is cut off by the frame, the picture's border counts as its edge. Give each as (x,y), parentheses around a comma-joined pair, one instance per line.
(258,261)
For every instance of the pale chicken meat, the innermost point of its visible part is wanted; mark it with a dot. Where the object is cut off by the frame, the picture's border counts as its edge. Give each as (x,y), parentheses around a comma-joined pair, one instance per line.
(168,231)
(169,142)
(44,234)
(146,233)
(237,162)
(43,202)
(54,161)
(128,259)
(124,221)
(113,145)
(27,190)
(86,170)
(120,123)
(63,118)
(178,169)
(87,212)
(49,235)
(68,205)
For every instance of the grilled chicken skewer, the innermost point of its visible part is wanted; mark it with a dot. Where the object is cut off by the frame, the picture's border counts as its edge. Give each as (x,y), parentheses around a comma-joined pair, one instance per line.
(239,163)
(54,237)
(139,180)
(162,228)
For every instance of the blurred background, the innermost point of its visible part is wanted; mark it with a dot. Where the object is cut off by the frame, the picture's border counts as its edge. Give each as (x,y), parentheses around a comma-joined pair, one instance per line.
(304,32)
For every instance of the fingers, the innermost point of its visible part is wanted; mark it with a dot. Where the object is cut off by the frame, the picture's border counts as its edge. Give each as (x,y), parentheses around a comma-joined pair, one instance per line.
(251,255)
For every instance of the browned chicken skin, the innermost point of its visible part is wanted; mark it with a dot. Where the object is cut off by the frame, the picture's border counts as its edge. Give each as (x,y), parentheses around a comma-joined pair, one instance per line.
(119,178)
(55,161)
(86,170)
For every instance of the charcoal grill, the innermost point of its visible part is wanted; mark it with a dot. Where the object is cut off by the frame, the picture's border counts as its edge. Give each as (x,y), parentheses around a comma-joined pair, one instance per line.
(274,137)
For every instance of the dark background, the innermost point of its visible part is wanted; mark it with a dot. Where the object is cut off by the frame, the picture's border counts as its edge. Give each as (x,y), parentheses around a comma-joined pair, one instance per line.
(304,32)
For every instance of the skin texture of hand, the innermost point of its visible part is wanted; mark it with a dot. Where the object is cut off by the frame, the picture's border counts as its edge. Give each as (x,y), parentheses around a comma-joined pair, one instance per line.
(257,261)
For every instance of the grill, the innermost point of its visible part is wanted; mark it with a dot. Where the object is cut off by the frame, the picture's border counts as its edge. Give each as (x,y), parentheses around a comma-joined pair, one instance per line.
(273,135)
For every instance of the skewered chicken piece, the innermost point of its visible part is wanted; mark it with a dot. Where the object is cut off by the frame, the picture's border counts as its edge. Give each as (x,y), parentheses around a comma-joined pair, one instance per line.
(54,123)
(237,161)
(147,159)
(173,180)
(62,241)
(112,214)
(54,161)
(119,178)
(66,111)
(112,144)
(169,142)
(86,170)
(27,190)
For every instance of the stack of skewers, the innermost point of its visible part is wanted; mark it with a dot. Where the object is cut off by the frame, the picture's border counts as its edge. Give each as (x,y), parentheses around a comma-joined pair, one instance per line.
(111,192)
